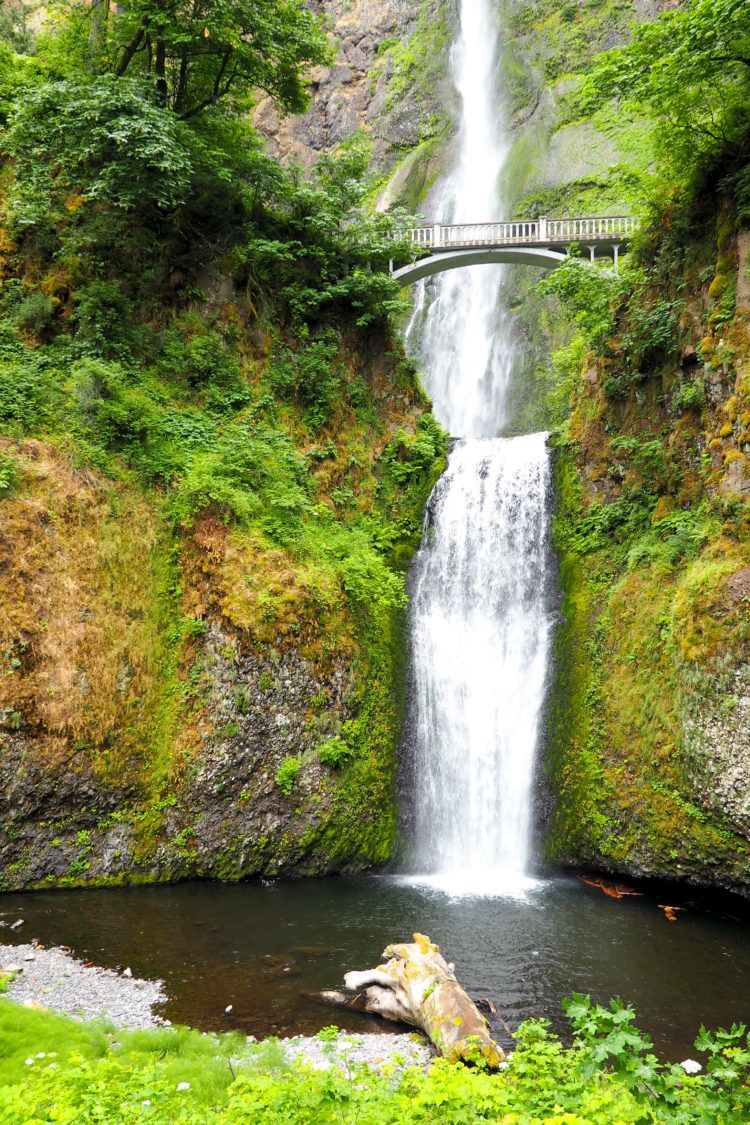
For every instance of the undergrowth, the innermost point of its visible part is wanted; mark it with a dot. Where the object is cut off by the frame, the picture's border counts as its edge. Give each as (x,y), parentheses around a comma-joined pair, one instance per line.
(55,1070)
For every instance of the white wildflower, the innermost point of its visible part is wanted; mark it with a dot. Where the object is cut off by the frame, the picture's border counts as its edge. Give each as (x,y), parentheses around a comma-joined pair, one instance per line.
(41,1055)
(29,1062)
(147,1102)
(690,1066)
(183,1085)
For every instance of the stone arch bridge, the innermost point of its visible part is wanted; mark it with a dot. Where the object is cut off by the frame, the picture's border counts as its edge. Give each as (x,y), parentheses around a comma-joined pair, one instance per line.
(532,242)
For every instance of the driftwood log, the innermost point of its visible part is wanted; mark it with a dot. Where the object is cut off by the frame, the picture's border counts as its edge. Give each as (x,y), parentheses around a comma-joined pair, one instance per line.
(416,986)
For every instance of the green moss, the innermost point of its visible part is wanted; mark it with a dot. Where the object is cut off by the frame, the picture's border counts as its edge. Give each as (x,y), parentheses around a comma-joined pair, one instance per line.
(619,763)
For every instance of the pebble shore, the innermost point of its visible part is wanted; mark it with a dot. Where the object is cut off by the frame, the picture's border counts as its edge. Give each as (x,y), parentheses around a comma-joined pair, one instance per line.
(377,1051)
(55,979)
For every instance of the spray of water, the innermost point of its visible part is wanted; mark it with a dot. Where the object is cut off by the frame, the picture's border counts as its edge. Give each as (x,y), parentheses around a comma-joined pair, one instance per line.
(479,623)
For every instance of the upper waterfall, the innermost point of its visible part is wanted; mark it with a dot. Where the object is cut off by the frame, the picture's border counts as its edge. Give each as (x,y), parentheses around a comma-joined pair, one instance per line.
(463,341)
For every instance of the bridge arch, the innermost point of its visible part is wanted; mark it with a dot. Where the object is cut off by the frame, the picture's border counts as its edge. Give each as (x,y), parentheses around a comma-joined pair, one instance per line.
(530,242)
(455,259)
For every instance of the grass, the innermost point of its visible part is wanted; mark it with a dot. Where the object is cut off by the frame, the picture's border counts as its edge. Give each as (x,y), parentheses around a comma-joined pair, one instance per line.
(53,1069)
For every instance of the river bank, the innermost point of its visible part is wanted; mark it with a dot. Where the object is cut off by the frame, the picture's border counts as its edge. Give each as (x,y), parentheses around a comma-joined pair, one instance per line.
(54,980)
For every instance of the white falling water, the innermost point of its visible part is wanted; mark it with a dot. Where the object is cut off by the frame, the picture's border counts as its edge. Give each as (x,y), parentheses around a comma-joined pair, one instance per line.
(479,635)
(479,619)
(464,340)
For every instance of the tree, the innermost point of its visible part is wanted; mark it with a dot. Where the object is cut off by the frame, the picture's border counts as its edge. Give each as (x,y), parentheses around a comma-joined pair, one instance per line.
(202,52)
(104,139)
(689,72)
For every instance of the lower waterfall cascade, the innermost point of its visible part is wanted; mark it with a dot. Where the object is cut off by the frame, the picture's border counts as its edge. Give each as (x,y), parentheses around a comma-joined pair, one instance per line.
(480,632)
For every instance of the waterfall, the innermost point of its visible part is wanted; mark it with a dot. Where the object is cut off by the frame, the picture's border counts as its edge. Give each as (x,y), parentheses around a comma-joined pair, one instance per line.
(479,618)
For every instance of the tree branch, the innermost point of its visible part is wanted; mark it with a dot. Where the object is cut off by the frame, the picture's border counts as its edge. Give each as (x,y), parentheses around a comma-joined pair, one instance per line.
(216,93)
(130,51)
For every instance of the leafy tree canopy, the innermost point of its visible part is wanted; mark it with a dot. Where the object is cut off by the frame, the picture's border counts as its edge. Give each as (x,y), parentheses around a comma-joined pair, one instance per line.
(689,71)
(105,139)
(199,52)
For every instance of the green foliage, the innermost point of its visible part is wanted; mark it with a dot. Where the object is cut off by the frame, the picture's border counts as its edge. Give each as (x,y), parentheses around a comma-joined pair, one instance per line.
(321,251)
(677,537)
(650,331)
(198,56)
(35,314)
(334,752)
(619,315)
(607,1077)
(105,139)
(607,524)
(251,473)
(17,72)
(104,321)
(689,396)
(689,72)
(312,376)
(9,475)
(608,1037)
(287,774)
(587,294)
(29,390)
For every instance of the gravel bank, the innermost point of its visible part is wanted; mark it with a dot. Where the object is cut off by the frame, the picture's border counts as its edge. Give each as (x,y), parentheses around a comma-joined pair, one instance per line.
(375,1050)
(57,980)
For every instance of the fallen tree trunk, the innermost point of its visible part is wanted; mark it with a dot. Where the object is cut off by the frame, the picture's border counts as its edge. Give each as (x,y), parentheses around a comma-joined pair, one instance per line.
(415,985)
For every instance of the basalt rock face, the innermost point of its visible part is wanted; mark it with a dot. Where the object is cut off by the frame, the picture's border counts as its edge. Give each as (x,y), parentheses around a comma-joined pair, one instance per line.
(650,748)
(389,79)
(224,815)
(199,699)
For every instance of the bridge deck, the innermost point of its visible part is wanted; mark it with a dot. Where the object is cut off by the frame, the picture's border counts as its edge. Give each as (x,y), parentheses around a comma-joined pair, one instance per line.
(552,233)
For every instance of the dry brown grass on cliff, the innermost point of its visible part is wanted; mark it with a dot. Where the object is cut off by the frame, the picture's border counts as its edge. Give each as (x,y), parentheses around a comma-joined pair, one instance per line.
(271,598)
(78,642)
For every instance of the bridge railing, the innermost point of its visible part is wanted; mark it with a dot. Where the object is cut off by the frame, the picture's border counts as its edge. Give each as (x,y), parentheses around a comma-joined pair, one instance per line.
(540,231)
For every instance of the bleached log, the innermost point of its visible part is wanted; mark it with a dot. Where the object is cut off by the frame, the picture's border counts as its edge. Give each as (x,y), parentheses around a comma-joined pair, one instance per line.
(416,986)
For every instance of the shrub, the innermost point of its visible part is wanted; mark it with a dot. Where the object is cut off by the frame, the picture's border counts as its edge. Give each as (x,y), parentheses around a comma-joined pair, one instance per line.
(287,773)
(104,321)
(16,70)
(334,752)
(651,331)
(250,473)
(312,376)
(677,536)
(689,396)
(9,475)
(104,139)
(29,387)
(608,1076)
(35,313)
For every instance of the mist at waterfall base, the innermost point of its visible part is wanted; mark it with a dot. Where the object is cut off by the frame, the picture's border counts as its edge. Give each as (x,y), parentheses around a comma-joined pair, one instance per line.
(479,618)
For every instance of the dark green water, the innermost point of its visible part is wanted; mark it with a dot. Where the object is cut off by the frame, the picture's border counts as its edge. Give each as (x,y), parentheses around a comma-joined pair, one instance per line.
(264,947)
